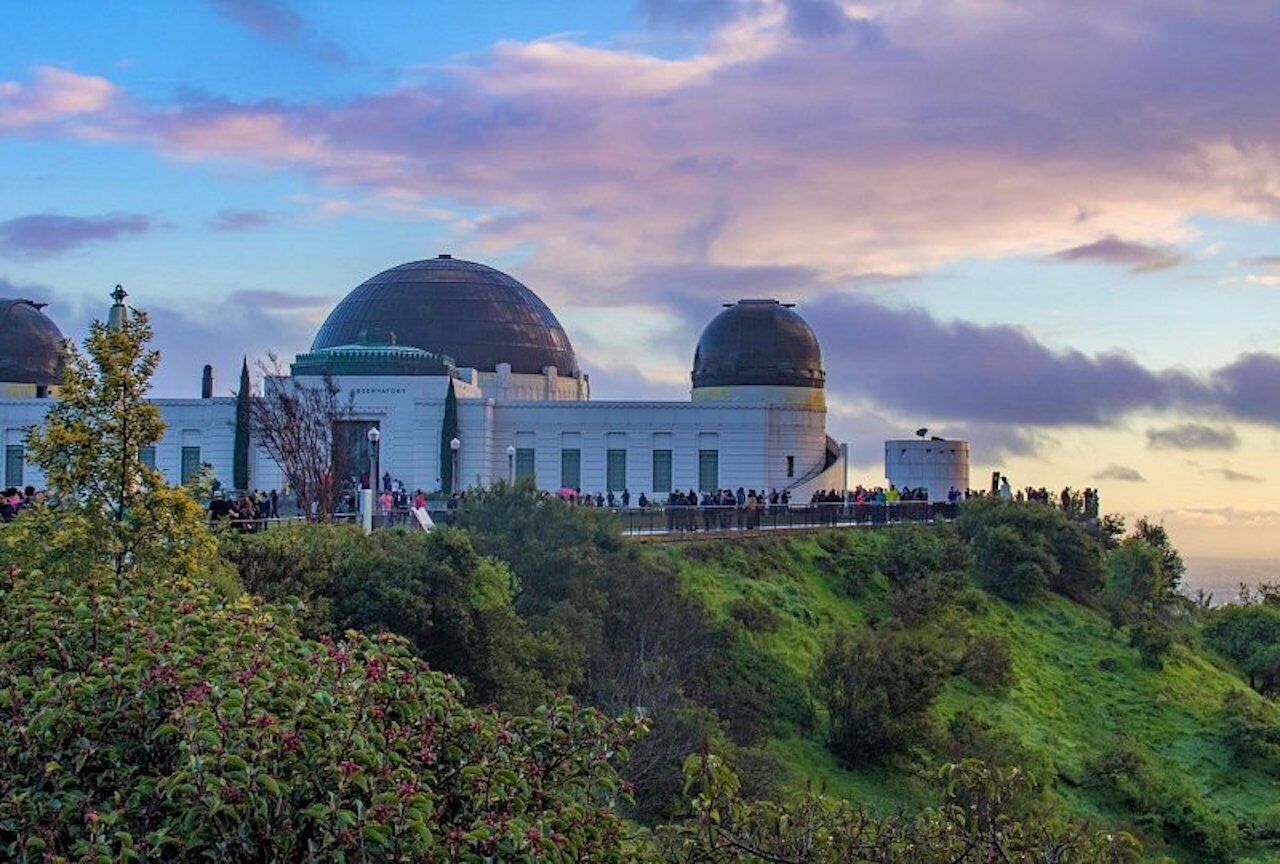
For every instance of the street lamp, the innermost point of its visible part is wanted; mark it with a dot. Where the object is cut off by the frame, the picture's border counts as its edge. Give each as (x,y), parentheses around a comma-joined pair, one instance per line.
(374,436)
(511,465)
(454,445)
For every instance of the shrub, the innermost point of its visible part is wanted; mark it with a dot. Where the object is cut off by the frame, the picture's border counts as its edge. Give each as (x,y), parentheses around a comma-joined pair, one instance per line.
(854,557)
(878,687)
(1164,798)
(1252,731)
(454,605)
(925,567)
(754,614)
(753,691)
(1249,635)
(1152,640)
(988,662)
(1050,551)
(157,721)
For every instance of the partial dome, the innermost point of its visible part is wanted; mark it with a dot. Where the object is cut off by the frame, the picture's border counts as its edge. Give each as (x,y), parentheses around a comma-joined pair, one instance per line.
(473,314)
(30,344)
(758,342)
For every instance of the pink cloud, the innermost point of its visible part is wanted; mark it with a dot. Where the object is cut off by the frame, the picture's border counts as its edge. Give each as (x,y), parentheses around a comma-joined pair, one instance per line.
(54,95)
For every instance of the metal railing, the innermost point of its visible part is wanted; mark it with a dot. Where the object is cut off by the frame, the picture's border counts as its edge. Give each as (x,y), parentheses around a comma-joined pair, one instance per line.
(669,520)
(686,520)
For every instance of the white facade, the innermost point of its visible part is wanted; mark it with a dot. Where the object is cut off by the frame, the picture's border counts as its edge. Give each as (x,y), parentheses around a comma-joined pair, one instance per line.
(936,465)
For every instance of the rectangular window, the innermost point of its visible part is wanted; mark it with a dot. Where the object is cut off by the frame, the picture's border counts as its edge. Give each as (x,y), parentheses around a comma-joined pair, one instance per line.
(616,471)
(13,456)
(147,455)
(524,463)
(570,468)
(190,463)
(791,466)
(708,470)
(661,470)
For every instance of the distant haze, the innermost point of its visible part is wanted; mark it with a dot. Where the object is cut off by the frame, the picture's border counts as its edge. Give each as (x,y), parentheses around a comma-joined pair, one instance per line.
(1222,577)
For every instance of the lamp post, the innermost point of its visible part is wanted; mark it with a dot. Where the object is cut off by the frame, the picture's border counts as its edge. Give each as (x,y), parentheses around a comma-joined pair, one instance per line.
(511,465)
(455,445)
(374,437)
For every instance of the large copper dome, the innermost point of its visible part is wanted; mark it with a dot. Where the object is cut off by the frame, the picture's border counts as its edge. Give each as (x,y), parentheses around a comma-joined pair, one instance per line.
(30,344)
(474,314)
(758,342)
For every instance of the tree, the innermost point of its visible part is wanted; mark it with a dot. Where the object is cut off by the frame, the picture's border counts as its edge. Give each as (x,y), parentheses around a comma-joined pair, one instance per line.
(300,424)
(110,511)
(448,431)
(878,687)
(240,456)
(1171,564)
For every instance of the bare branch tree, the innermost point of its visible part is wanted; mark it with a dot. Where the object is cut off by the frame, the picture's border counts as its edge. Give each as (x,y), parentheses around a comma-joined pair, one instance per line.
(301,425)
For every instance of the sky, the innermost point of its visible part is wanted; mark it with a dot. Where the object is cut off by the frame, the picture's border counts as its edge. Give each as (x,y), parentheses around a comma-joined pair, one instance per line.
(1051,228)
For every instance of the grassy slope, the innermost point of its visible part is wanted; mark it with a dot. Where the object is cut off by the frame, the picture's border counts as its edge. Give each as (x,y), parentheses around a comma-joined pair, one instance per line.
(1064,705)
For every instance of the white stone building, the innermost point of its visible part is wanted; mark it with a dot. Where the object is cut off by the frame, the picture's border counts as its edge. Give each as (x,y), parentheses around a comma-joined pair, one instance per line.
(756,416)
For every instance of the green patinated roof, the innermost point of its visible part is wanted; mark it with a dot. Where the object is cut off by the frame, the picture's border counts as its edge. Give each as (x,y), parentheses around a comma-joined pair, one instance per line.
(378,359)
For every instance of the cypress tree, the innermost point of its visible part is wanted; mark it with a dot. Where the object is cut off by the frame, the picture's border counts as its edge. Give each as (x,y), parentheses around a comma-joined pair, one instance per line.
(240,458)
(448,431)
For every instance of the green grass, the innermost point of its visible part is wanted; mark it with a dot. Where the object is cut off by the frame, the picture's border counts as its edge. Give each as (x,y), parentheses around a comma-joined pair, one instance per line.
(1077,685)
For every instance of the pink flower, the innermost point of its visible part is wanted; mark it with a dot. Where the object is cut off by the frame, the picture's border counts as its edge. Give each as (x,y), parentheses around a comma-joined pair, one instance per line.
(347,767)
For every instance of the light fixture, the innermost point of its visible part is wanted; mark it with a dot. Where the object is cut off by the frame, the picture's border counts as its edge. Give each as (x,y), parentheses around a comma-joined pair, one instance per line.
(374,435)
(454,445)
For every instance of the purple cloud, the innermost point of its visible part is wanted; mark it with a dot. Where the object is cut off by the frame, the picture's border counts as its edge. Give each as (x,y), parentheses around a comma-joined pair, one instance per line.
(1122,473)
(1233,476)
(909,361)
(1193,436)
(239,220)
(1138,257)
(1249,387)
(270,19)
(50,234)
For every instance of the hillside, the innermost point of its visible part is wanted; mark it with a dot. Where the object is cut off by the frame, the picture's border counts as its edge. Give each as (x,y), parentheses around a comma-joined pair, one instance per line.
(1077,684)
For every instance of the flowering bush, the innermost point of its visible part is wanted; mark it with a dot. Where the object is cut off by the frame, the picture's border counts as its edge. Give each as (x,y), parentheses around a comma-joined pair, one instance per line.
(163,722)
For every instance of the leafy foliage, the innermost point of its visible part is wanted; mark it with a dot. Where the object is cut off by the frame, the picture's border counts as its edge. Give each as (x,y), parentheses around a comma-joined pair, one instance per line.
(452,604)
(1250,635)
(1164,799)
(878,687)
(988,662)
(160,722)
(1024,549)
(925,568)
(108,512)
(975,823)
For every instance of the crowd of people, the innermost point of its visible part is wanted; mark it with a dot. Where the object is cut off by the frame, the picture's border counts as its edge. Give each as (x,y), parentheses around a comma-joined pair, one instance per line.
(16,499)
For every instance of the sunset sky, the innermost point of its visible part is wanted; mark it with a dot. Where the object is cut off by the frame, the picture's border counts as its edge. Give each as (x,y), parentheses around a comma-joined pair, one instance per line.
(1052,228)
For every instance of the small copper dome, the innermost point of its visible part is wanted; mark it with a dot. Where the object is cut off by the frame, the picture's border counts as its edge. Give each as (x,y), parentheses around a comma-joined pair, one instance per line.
(30,344)
(758,342)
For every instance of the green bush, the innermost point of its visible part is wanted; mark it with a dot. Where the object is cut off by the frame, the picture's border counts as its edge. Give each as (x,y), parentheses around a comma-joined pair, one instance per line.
(1022,549)
(988,662)
(1249,635)
(1252,731)
(455,606)
(925,568)
(754,614)
(159,722)
(854,557)
(754,692)
(878,687)
(1165,799)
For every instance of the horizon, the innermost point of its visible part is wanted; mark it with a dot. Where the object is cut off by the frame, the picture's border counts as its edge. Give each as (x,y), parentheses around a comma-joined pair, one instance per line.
(1049,229)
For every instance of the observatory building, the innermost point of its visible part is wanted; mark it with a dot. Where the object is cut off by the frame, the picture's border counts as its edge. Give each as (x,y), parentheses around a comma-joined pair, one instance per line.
(469,379)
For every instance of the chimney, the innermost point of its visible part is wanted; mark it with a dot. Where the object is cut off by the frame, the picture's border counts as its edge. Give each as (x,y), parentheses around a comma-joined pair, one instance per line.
(206,383)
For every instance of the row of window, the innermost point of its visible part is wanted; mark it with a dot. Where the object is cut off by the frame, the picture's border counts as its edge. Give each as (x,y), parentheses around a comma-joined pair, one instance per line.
(616,469)
(15,463)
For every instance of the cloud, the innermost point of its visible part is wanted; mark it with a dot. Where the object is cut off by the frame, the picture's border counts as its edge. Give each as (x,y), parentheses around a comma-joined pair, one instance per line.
(239,220)
(1193,436)
(1249,387)
(277,301)
(907,360)
(1233,476)
(51,234)
(1139,258)
(686,14)
(1122,473)
(961,130)
(270,19)
(55,95)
